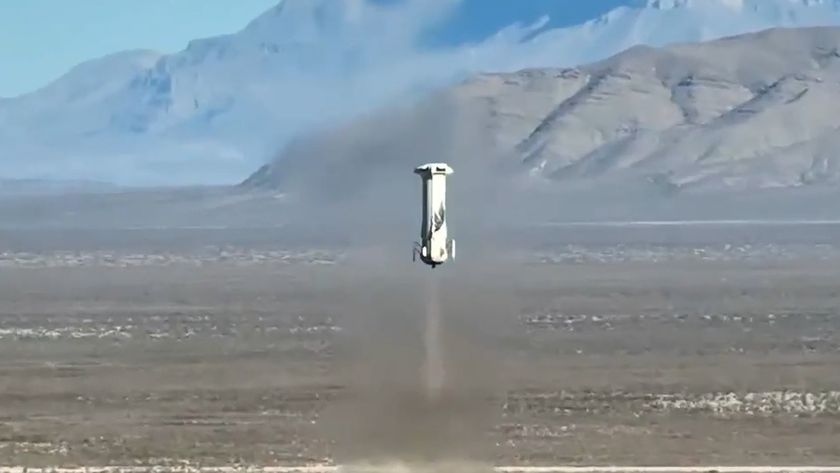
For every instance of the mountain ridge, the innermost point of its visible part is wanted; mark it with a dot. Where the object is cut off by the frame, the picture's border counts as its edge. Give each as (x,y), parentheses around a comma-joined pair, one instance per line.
(214,112)
(757,111)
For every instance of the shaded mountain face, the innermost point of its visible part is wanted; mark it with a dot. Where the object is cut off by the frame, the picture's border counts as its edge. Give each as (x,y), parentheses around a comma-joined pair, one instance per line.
(214,112)
(758,111)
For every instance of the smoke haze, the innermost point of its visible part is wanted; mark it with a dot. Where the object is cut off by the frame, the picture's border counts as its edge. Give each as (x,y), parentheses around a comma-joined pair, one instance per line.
(420,370)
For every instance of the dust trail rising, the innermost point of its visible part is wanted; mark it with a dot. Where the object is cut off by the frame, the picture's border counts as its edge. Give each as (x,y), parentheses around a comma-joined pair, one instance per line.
(435,374)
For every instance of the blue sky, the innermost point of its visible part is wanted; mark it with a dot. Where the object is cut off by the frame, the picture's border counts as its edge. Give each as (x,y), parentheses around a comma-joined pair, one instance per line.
(42,39)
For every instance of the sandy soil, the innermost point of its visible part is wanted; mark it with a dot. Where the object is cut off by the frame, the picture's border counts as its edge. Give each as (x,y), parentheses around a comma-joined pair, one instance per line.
(240,352)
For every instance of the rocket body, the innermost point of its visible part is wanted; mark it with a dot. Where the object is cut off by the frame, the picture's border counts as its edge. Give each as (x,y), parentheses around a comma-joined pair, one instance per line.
(435,247)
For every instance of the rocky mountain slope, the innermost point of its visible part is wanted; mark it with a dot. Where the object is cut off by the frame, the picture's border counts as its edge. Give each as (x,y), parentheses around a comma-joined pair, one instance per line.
(215,111)
(758,111)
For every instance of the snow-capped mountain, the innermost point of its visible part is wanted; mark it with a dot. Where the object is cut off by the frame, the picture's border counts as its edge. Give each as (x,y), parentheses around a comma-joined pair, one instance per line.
(223,106)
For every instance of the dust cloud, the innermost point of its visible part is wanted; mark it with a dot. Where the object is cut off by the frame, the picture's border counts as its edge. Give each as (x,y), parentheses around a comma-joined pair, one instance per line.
(422,384)
(421,380)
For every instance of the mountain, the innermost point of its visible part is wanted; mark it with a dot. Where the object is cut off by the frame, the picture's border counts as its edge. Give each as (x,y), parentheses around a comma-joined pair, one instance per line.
(24,187)
(215,111)
(753,112)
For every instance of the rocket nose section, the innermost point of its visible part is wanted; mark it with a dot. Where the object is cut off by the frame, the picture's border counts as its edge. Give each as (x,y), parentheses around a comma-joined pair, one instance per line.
(434,168)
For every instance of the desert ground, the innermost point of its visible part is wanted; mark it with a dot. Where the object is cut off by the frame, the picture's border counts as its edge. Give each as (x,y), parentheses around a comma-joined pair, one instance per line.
(582,345)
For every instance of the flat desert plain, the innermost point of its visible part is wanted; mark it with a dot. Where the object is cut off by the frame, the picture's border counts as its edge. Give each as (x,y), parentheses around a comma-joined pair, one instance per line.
(624,345)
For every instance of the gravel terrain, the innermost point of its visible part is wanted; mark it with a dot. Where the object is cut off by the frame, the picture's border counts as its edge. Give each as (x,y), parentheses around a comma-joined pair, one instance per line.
(232,353)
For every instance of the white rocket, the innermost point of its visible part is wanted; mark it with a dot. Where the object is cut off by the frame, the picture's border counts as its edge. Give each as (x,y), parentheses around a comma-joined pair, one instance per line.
(434,247)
